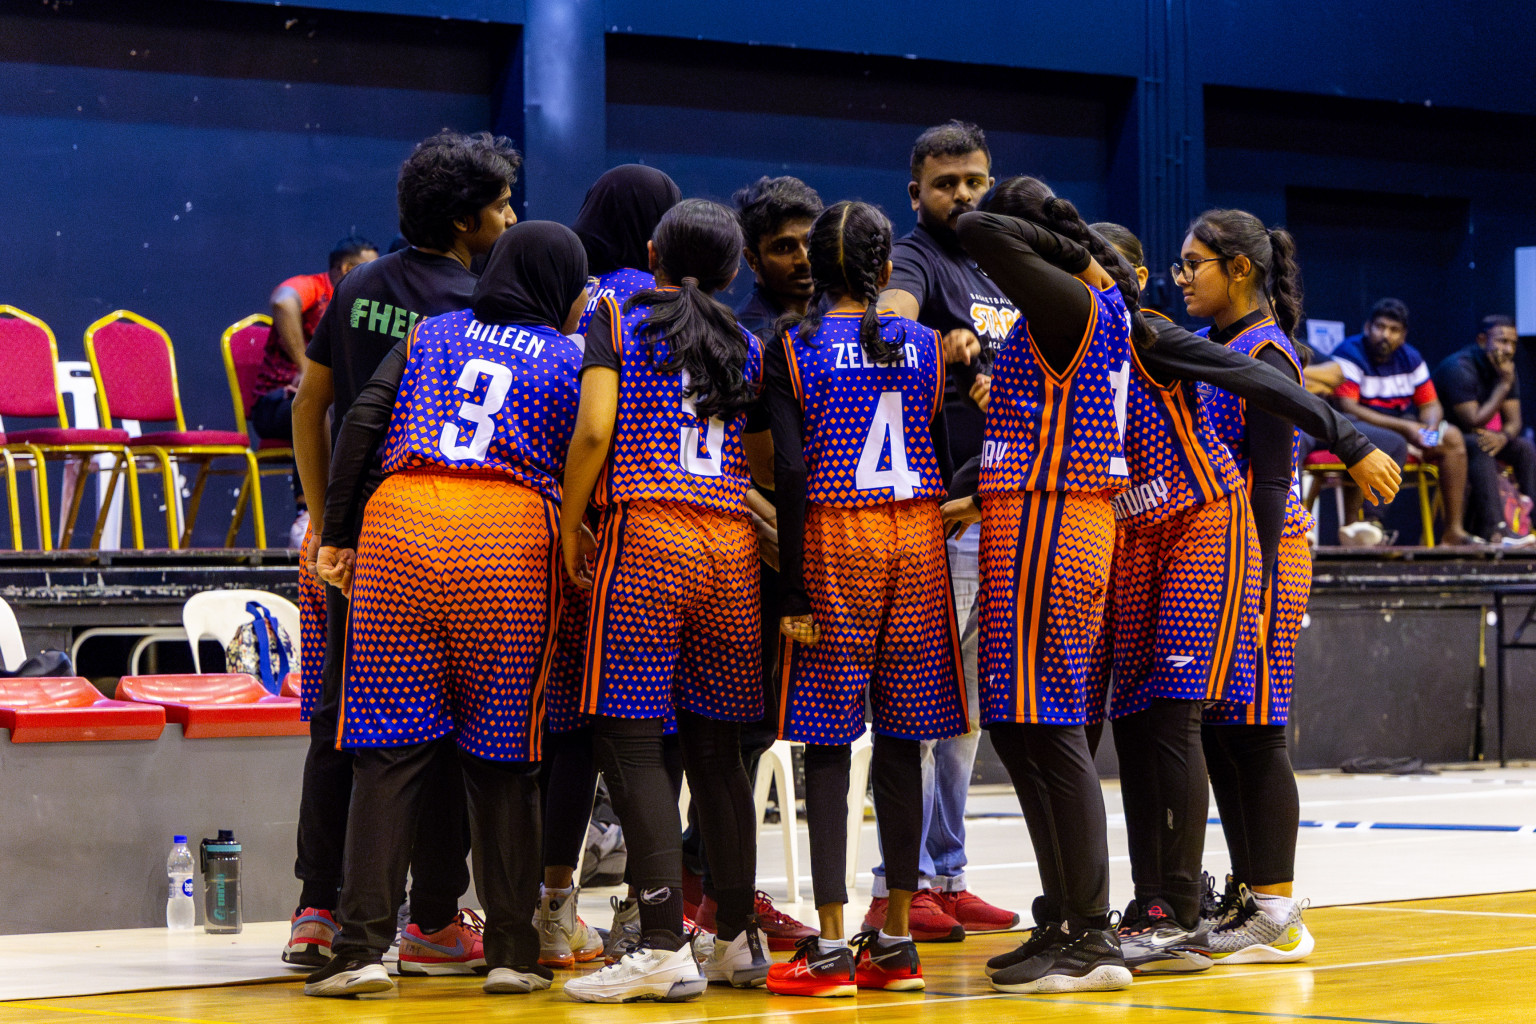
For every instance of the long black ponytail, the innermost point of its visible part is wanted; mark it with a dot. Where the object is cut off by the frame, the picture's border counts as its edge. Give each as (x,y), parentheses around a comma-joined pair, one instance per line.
(698,246)
(1032,199)
(850,244)
(1272,251)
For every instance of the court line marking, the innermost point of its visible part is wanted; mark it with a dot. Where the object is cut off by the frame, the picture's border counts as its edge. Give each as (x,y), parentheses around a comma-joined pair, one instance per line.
(22,1005)
(1272,1014)
(1269,970)
(1430,910)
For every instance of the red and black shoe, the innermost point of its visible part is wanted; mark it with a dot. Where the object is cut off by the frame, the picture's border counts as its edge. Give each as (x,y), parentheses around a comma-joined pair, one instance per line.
(811,972)
(893,968)
(784,932)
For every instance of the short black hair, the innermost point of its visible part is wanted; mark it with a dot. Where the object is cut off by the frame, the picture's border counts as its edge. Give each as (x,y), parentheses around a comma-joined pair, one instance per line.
(347,248)
(1392,309)
(952,138)
(1494,320)
(451,177)
(763,206)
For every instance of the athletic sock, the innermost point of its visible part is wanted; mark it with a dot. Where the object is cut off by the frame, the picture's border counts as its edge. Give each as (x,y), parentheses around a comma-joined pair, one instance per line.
(828,945)
(556,894)
(885,940)
(661,910)
(1277,907)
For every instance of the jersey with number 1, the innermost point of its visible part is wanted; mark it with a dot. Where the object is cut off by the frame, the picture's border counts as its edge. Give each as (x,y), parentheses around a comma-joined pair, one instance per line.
(480,397)
(662,449)
(1049,431)
(868,436)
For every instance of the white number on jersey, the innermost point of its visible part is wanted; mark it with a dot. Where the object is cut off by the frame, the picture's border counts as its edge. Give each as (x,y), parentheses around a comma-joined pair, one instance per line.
(479,413)
(1120,380)
(888,423)
(709,463)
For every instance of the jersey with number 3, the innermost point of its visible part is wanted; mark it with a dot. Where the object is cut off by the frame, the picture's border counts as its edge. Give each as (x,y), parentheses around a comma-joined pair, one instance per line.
(486,397)
(662,449)
(1049,431)
(868,433)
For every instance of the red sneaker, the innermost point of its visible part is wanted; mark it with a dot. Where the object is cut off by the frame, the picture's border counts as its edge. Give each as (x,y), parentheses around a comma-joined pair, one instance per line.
(456,949)
(693,893)
(894,968)
(784,932)
(814,973)
(976,914)
(704,920)
(309,938)
(928,919)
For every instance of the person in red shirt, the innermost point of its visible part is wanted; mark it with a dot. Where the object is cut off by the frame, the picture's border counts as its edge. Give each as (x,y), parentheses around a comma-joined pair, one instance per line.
(297,305)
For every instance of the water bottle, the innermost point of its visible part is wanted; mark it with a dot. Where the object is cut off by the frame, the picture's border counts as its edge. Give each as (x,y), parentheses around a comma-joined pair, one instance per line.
(180,909)
(221,883)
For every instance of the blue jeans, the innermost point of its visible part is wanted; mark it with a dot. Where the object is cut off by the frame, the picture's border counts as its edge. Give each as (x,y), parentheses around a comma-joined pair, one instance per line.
(947,764)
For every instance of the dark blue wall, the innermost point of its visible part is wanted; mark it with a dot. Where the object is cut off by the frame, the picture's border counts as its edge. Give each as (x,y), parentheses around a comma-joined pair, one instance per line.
(1396,138)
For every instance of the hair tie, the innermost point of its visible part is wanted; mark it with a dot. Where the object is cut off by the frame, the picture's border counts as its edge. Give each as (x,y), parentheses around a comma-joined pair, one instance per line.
(690,281)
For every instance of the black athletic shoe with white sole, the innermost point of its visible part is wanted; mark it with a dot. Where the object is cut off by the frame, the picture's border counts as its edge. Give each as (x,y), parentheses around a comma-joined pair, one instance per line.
(1154,942)
(349,976)
(1089,961)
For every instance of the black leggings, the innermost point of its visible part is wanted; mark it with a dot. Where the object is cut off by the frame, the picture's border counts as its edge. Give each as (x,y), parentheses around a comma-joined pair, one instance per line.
(1058,789)
(896,768)
(569,777)
(630,752)
(1162,784)
(1255,789)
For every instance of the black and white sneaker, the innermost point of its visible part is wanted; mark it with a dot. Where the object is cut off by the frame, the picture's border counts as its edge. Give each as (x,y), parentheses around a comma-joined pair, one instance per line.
(1154,942)
(1089,961)
(1045,934)
(349,976)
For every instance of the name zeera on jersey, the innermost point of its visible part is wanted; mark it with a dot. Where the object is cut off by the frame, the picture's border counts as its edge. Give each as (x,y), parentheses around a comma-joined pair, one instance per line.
(851,356)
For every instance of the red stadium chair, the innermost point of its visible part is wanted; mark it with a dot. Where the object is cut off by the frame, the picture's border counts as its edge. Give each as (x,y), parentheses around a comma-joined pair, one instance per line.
(55,709)
(1328,472)
(134,365)
(29,389)
(244,345)
(216,705)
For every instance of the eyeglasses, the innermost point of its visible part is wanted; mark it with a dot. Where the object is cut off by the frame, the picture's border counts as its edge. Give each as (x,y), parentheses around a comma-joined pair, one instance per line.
(1187,267)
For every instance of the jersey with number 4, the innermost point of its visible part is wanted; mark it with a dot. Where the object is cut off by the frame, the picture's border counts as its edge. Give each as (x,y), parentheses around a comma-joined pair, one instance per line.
(868,433)
(1049,431)
(486,397)
(662,449)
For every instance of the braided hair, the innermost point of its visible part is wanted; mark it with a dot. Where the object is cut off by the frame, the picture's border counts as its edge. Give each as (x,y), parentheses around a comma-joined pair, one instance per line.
(1272,251)
(698,246)
(1032,199)
(850,244)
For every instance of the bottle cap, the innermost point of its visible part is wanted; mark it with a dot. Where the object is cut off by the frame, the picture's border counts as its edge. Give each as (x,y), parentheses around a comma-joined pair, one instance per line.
(178,839)
(226,835)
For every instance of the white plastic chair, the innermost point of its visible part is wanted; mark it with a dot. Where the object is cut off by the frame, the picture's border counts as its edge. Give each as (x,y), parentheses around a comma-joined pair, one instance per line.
(777,767)
(858,786)
(12,650)
(220,613)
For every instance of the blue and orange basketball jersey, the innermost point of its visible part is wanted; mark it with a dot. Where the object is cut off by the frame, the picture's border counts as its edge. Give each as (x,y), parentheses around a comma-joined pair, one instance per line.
(1229,417)
(1061,432)
(867,425)
(662,449)
(486,397)
(619,285)
(1175,458)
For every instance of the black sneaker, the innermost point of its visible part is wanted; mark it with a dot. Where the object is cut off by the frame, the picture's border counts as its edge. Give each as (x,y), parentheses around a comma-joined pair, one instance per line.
(1041,937)
(349,976)
(1156,942)
(1214,908)
(1089,961)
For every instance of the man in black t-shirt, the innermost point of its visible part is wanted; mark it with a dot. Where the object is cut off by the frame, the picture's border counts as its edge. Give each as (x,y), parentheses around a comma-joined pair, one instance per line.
(776,215)
(454,198)
(934,282)
(1481,394)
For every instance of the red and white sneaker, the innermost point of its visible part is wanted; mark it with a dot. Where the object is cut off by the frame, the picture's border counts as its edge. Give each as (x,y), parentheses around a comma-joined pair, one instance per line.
(814,973)
(456,949)
(893,968)
(928,919)
(976,914)
(784,932)
(309,938)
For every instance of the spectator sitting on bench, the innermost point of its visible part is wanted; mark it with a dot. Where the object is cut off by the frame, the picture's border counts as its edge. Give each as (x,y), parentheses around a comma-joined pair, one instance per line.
(1482,396)
(1382,385)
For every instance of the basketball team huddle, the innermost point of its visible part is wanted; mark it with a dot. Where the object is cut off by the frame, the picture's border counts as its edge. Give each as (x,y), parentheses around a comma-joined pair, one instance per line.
(552,512)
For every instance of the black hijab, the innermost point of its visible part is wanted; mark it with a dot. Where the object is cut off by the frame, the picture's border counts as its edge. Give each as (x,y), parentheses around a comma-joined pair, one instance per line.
(535,272)
(620,212)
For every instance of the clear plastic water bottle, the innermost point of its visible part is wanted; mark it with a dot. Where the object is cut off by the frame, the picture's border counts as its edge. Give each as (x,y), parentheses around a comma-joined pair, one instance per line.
(180,907)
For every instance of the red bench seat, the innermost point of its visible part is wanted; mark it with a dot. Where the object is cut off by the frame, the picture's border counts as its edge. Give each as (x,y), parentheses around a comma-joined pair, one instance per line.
(226,704)
(63,709)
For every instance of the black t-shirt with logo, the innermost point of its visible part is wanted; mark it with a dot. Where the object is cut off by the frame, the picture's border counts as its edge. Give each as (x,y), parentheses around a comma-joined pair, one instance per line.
(952,292)
(374,308)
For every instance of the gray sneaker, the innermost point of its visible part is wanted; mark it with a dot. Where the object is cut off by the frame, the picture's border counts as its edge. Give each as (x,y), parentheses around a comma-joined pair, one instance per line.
(624,933)
(565,940)
(1251,936)
(1154,942)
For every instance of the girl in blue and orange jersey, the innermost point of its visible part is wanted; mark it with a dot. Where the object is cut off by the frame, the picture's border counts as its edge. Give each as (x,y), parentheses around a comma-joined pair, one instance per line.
(456,592)
(666,380)
(855,397)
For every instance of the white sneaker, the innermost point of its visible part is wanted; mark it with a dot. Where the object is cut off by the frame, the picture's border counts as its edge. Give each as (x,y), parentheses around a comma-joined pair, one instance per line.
(740,963)
(564,939)
(508,981)
(666,975)
(299,528)
(1364,534)
(1510,541)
